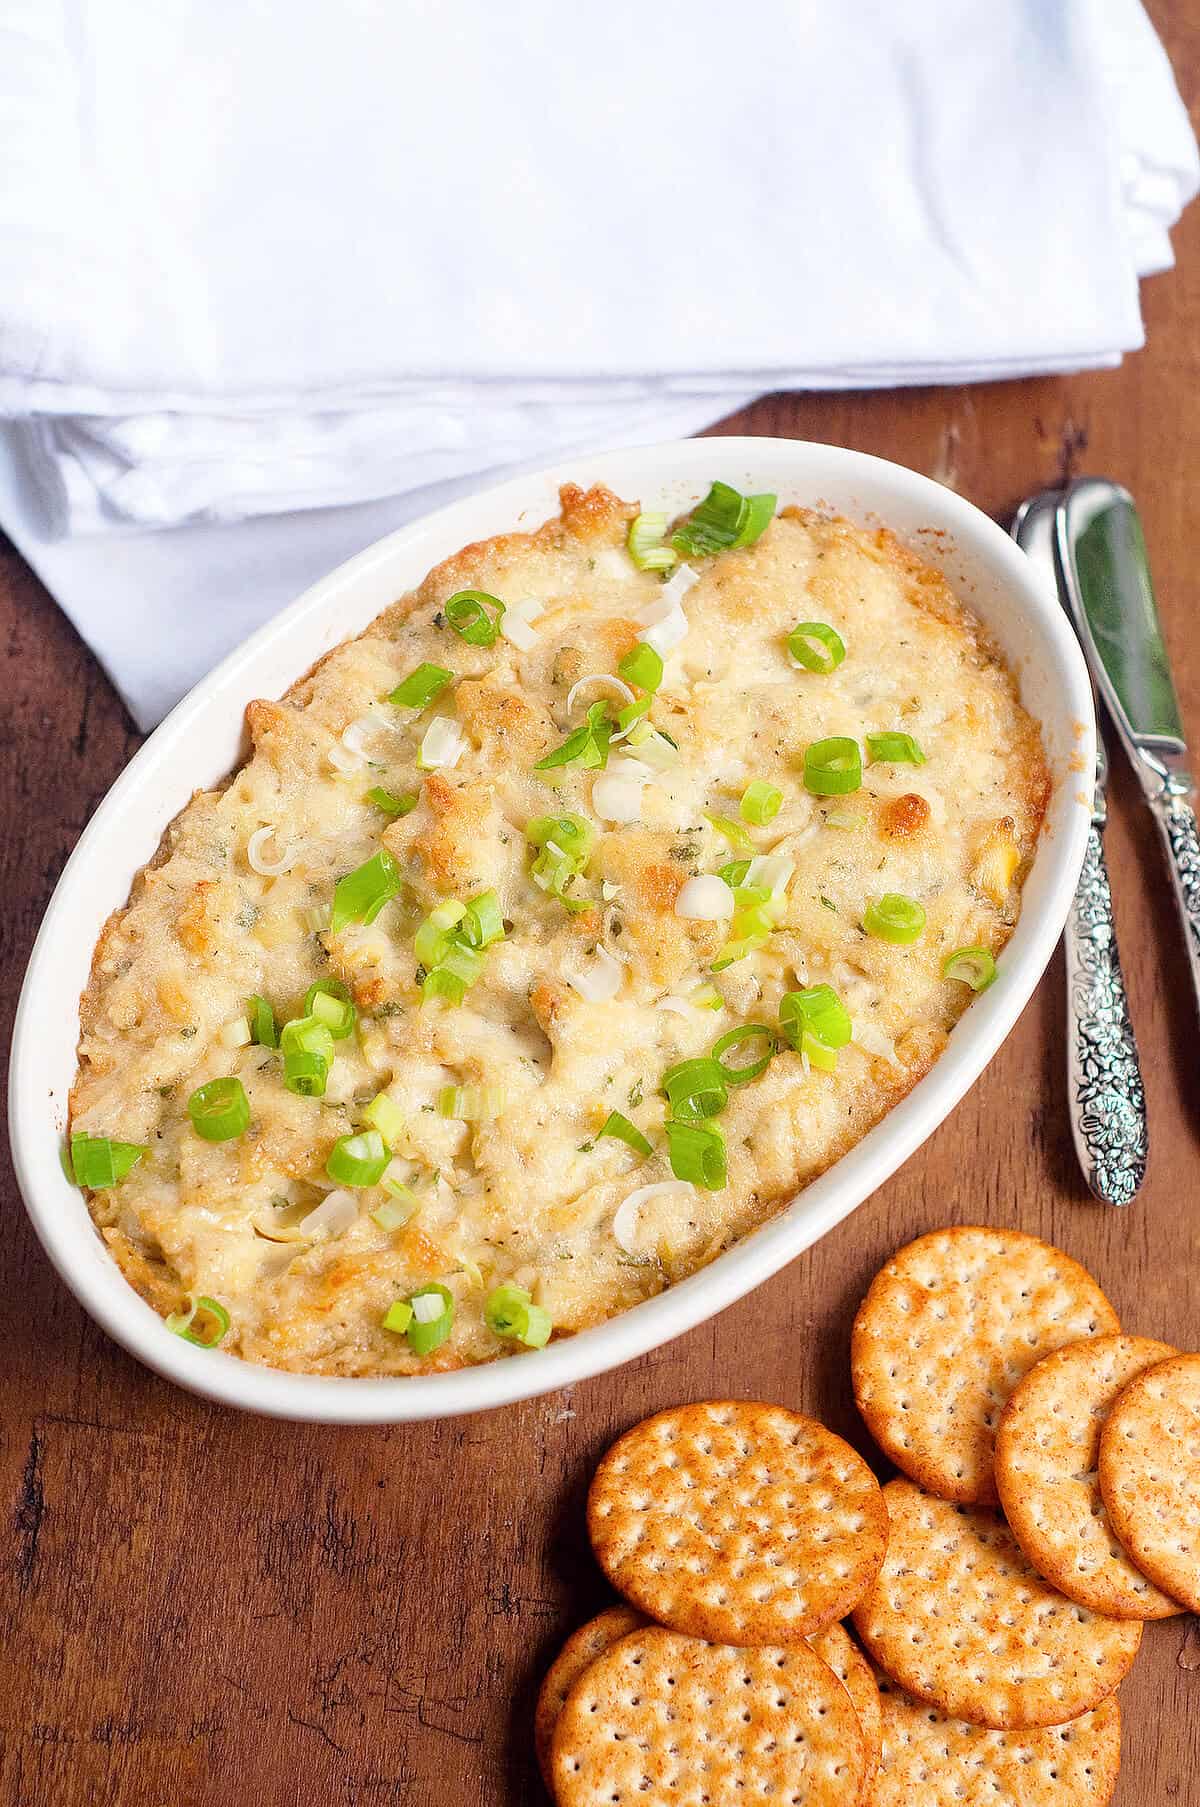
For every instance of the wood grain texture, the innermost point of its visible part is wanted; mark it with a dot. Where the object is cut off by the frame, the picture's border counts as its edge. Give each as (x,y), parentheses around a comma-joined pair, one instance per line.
(197,1604)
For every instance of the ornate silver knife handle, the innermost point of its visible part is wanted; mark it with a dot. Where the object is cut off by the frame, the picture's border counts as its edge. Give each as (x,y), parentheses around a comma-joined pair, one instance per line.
(1177,824)
(1108,1100)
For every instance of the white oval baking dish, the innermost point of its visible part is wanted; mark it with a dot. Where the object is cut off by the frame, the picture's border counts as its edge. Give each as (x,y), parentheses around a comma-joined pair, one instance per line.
(204,738)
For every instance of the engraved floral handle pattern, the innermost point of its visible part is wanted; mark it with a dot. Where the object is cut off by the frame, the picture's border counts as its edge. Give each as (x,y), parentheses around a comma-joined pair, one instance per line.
(1177,821)
(1107,1098)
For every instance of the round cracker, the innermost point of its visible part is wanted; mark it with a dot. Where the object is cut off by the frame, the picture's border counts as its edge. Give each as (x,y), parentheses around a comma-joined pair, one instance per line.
(948,1328)
(837,1649)
(670,1721)
(737,1522)
(960,1619)
(938,1762)
(581,1649)
(1047,1445)
(1150,1474)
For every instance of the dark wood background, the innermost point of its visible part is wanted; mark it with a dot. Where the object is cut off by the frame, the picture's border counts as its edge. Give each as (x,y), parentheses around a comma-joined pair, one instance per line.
(197,1605)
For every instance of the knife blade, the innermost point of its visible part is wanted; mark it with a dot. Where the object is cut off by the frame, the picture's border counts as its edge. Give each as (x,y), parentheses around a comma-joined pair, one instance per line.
(1102,552)
(1105,1095)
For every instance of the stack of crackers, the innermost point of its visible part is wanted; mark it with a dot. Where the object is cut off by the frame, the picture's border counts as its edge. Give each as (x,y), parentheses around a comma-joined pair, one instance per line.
(1049,1503)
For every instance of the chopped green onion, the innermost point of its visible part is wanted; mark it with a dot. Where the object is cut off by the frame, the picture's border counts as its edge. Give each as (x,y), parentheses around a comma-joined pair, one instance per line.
(510,1312)
(391,802)
(724,518)
(894,749)
(458,968)
(358,1160)
(420,687)
(475,616)
(733,832)
(470,1103)
(734,872)
(706,997)
(761,802)
(98,1163)
(657,749)
(262,1022)
(397,1317)
(696,1089)
(395,1211)
(330,1002)
(697,1153)
(428,1332)
(432,940)
(361,894)
(305,1075)
(974,966)
(200,1306)
(553,872)
(586,745)
(219,1110)
(573,834)
(733,1038)
(844,818)
(645,543)
(643,666)
(635,711)
(894,918)
(385,1115)
(307,1048)
(625,1131)
(817,1023)
(833,767)
(482,921)
(816,646)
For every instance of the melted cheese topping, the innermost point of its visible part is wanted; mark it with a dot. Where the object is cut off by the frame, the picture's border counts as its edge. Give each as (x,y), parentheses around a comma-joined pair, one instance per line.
(531,1196)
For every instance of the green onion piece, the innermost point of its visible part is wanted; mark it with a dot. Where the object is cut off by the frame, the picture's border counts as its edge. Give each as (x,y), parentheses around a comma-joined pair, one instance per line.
(761,802)
(724,518)
(586,745)
(706,997)
(817,1023)
(420,687)
(816,646)
(393,803)
(833,767)
(458,968)
(695,1089)
(643,666)
(574,834)
(738,946)
(98,1163)
(697,1153)
(894,749)
(844,818)
(330,1002)
(307,1048)
(732,831)
(358,1160)
(262,1022)
(733,1038)
(305,1075)
(482,920)
(894,918)
(219,1110)
(510,1312)
(440,982)
(200,1306)
(554,872)
(397,1317)
(645,542)
(975,967)
(625,1131)
(635,711)
(470,1103)
(733,872)
(361,894)
(426,1333)
(395,1211)
(385,1115)
(475,616)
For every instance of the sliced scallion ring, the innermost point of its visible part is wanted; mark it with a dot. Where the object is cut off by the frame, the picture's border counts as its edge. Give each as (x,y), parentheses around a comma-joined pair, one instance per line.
(219,1110)
(575,835)
(733,832)
(697,1153)
(262,1022)
(432,1318)
(724,519)
(98,1163)
(329,1001)
(397,1317)
(358,1160)
(475,616)
(586,745)
(393,803)
(361,894)
(734,873)
(894,749)
(624,1131)
(733,1038)
(761,802)
(419,688)
(695,1089)
(974,966)
(510,1312)
(895,918)
(643,666)
(817,1023)
(816,646)
(482,921)
(210,1311)
(385,1115)
(645,542)
(833,767)
(307,1048)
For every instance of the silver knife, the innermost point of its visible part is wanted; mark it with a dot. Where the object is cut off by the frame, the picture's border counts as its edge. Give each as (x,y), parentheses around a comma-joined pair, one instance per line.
(1103,554)
(1106,1098)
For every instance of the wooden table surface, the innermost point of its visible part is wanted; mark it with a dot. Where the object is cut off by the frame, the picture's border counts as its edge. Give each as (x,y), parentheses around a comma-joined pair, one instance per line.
(199,1606)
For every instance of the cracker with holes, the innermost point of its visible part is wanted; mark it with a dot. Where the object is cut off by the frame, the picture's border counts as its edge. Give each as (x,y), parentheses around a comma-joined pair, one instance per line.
(948,1328)
(665,1720)
(837,1649)
(580,1650)
(1150,1474)
(1047,1446)
(959,1618)
(931,1761)
(739,1522)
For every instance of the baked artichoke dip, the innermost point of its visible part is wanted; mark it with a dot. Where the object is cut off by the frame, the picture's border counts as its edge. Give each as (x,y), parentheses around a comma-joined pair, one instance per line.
(602,893)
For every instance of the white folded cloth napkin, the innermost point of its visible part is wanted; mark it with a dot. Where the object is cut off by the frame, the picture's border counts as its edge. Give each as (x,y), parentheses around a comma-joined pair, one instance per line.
(277,275)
